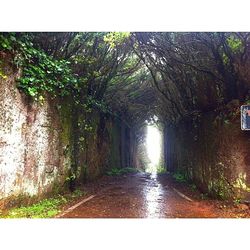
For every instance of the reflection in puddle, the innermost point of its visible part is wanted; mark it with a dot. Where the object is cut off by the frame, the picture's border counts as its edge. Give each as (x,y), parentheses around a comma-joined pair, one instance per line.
(153,192)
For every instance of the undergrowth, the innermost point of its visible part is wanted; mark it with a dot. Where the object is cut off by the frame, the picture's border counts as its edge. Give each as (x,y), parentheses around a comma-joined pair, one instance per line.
(179,177)
(161,170)
(121,171)
(46,208)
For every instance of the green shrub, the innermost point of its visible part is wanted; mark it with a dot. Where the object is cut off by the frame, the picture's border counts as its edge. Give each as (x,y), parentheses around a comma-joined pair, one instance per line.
(46,208)
(161,170)
(121,171)
(179,177)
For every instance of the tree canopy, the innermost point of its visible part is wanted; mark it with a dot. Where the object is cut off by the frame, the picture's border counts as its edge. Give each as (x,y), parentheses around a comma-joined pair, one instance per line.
(135,76)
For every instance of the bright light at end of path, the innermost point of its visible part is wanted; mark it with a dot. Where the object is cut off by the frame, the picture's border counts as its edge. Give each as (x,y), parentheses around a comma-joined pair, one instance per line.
(153,144)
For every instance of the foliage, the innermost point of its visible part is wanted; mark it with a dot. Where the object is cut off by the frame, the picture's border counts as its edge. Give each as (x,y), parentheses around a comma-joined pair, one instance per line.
(46,208)
(77,193)
(179,177)
(116,38)
(161,170)
(121,171)
(204,196)
(71,177)
(114,71)
(40,72)
(235,44)
(193,186)
(237,201)
(194,72)
(77,64)
(2,75)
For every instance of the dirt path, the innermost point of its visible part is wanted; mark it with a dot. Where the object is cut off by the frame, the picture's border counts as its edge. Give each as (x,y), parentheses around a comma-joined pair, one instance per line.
(148,196)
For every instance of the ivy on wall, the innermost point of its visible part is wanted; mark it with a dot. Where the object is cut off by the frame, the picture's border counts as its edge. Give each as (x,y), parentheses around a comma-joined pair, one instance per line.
(40,72)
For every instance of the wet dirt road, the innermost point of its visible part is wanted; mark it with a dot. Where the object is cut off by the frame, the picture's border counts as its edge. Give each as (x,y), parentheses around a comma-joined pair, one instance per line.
(144,195)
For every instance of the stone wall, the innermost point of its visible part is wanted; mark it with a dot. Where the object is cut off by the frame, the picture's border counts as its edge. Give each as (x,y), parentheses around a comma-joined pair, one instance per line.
(32,155)
(42,148)
(212,151)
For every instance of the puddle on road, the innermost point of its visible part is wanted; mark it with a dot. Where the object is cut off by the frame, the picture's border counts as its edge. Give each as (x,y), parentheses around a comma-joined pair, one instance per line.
(150,199)
(153,193)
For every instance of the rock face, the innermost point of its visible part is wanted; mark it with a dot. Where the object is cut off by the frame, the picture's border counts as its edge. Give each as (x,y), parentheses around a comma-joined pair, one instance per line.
(213,151)
(31,149)
(40,145)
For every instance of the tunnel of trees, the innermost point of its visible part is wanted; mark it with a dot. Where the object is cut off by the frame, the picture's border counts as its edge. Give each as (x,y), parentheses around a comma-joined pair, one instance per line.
(194,83)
